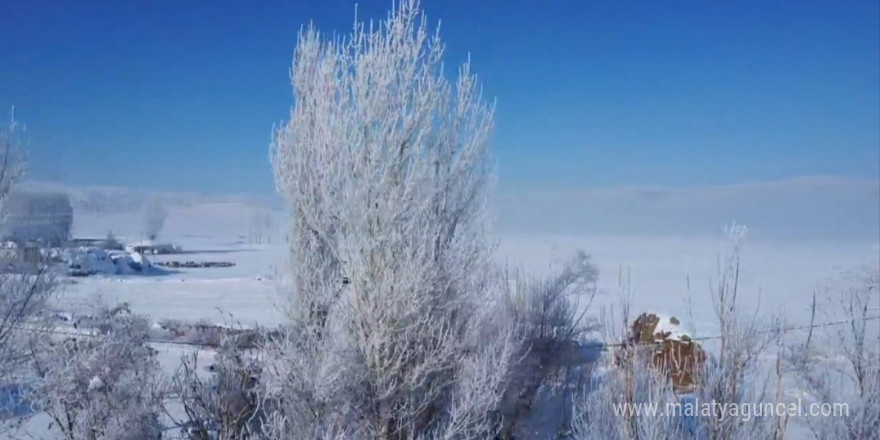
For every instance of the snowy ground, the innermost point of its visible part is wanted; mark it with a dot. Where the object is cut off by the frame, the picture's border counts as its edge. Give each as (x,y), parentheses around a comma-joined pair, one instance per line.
(669,274)
(666,272)
(642,234)
(245,293)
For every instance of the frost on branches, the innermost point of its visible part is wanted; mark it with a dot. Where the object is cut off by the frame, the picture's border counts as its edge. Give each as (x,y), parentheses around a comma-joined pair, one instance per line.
(385,168)
(103,385)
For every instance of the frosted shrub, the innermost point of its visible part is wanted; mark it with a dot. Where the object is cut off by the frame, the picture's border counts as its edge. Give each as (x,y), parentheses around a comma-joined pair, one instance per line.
(732,375)
(842,364)
(102,385)
(605,410)
(23,296)
(223,400)
(605,407)
(551,315)
(13,160)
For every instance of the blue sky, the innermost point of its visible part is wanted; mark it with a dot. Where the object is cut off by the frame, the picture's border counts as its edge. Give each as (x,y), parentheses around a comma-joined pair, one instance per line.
(182,95)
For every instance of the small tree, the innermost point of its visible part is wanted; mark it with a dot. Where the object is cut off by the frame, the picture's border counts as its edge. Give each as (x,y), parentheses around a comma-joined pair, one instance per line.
(733,374)
(13,160)
(45,217)
(228,403)
(551,314)
(24,288)
(255,228)
(843,365)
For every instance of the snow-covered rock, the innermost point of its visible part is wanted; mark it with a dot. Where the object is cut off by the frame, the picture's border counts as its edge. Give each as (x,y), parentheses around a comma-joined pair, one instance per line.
(96,384)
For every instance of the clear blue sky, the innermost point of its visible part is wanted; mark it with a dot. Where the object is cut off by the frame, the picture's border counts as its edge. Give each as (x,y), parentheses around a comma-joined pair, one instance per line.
(182,95)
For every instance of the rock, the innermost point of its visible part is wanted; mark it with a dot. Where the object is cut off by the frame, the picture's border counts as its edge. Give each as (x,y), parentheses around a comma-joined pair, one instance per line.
(96,384)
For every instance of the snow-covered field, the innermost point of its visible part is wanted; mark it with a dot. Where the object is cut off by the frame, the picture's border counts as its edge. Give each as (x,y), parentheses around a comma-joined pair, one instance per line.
(666,274)
(669,273)
(668,269)
(665,241)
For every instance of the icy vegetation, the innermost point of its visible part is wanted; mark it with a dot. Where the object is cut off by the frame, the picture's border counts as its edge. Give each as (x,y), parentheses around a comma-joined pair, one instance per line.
(376,305)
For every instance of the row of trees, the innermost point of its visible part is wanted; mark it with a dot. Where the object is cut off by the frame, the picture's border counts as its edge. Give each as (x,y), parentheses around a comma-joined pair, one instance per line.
(400,326)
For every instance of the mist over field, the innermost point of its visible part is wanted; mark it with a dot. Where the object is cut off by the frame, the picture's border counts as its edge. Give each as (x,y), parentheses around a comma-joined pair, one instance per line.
(801,209)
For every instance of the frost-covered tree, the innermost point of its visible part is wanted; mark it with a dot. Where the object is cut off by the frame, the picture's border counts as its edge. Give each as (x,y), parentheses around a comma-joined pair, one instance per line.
(385,169)
(106,384)
(25,286)
(13,159)
(154,213)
